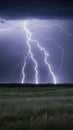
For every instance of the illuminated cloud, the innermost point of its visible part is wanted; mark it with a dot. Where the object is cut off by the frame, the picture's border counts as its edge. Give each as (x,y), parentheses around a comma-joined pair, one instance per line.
(37,51)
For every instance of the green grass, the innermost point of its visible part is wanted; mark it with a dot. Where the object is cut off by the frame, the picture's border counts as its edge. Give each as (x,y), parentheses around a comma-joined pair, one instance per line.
(36,109)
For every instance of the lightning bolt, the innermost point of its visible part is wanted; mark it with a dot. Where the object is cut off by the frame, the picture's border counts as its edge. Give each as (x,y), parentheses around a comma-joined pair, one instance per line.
(62,50)
(63,30)
(42,49)
(58,26)
(28,36)
(29,39)
(23,68)
(7,29)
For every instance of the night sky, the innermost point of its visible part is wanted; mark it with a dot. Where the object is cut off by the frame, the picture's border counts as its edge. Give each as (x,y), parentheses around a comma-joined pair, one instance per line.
(51,24)
(36,8)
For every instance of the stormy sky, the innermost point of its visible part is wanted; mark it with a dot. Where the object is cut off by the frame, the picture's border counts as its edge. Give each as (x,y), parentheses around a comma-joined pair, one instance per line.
(36,8)
(57,40)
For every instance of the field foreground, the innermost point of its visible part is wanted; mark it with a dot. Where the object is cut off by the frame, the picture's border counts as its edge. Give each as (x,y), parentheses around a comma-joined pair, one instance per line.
(39,108)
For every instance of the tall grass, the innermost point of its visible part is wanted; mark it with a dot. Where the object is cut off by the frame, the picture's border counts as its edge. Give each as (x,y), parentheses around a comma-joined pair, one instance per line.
(35,109)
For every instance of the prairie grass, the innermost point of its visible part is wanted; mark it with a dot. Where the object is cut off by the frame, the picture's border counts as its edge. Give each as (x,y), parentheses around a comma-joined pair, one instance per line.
(36,109)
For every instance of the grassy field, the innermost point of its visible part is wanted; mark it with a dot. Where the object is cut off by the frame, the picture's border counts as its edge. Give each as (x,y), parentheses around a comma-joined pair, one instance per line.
(36,108)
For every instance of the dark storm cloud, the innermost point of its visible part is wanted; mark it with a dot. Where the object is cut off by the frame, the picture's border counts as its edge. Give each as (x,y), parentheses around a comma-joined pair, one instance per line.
(36,8)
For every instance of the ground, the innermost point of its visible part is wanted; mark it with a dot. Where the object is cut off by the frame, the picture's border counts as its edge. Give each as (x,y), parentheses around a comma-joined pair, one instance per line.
(36,108)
